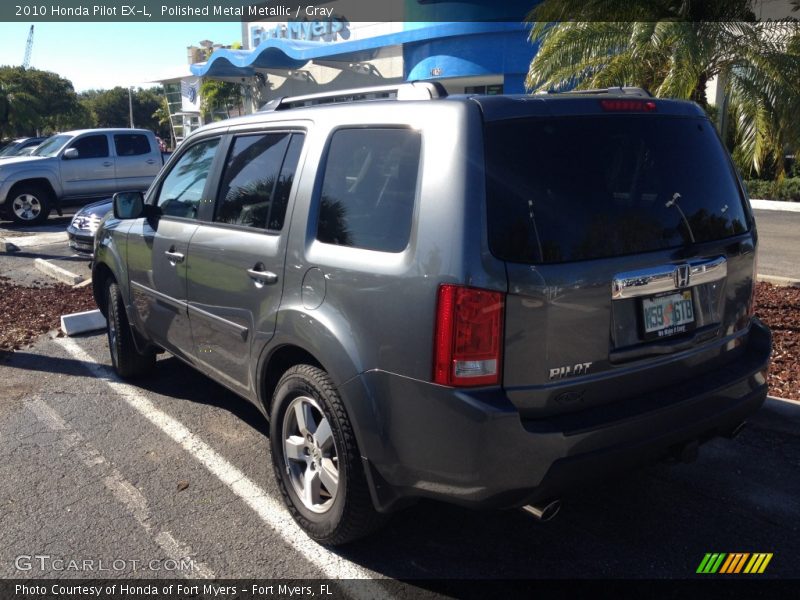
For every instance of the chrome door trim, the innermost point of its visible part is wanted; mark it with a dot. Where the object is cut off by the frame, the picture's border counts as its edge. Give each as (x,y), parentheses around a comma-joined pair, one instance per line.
(664,278)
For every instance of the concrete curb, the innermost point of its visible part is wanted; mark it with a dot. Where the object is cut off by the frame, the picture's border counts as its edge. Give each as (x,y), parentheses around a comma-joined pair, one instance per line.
(82,284)
(82,322)
(775,205)
(787,410)
(37,239)
(776,280)
(57,272)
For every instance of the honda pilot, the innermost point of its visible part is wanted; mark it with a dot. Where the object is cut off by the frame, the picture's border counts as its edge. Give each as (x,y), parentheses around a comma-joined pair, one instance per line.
(487,300)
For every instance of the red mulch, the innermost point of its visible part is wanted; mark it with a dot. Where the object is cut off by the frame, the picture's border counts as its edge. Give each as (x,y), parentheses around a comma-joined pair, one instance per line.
(779,308)
(27,312)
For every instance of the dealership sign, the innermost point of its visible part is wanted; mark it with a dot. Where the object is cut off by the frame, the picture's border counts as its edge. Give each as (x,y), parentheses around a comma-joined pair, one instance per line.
(310,31)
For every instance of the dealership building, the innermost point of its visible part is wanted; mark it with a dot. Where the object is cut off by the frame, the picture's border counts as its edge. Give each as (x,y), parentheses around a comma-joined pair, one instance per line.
(485,51)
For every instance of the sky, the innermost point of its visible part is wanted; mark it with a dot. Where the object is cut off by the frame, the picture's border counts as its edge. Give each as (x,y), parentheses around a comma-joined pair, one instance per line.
(105,55)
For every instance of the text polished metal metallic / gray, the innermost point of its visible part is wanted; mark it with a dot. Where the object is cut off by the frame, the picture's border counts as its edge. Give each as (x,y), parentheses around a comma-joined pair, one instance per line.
(654,280)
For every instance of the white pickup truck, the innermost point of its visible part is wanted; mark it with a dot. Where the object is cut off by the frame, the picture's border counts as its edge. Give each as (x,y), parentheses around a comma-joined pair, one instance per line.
(77,165)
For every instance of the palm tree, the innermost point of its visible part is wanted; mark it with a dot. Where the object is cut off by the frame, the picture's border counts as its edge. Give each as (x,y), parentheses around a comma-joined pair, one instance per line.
(218,94)
(19,110)
(162,117)
(674,48)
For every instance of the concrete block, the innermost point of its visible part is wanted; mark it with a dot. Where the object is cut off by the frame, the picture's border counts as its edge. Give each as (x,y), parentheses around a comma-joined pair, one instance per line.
(82,284)
(83,322)
(57,272)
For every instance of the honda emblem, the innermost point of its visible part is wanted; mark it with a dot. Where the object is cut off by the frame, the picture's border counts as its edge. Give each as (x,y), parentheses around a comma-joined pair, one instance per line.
(683,275)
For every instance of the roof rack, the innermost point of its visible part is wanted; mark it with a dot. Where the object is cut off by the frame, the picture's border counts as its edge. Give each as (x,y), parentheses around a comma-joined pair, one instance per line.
(413,90)
(625,91)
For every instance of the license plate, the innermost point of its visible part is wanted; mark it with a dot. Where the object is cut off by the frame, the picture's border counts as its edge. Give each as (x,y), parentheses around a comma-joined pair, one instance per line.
(667,315)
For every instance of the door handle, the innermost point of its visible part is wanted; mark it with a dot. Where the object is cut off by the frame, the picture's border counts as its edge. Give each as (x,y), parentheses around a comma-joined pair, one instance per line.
(262,277)
(107,164)
(174,257)
(150,161)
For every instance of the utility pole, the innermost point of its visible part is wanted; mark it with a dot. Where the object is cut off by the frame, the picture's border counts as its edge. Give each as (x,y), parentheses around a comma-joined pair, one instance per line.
(130,104)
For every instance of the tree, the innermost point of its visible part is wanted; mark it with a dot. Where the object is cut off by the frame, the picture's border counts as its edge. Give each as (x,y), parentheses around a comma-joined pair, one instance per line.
(18,110)
(111,108)
(46,101)
(219,96)
(674,48)
(161,116)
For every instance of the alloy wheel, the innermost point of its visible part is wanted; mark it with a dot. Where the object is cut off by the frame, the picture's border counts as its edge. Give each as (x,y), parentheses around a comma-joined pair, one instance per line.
(26,207)
(312,461)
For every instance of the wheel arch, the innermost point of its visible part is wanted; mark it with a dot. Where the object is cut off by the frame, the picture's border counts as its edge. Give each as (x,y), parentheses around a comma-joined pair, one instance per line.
(101,274)
(274,363)
(40,181)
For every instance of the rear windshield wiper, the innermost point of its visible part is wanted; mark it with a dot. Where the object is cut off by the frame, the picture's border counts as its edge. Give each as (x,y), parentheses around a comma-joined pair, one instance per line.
(674,202)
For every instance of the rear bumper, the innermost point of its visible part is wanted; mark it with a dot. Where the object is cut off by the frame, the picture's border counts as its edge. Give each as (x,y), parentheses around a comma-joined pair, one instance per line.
(472,448)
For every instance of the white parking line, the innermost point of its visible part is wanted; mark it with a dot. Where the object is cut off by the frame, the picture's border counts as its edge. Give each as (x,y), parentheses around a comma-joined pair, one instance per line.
(271,511)
(124,491)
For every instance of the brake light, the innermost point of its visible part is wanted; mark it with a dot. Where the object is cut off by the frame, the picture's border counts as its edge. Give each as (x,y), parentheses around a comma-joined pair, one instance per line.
(469,336)
(628,105)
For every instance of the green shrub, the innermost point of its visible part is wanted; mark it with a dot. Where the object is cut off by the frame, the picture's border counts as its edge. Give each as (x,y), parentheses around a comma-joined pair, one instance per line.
(788,189)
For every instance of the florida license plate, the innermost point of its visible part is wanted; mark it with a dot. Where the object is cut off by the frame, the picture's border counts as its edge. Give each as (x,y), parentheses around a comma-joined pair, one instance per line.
(667,315)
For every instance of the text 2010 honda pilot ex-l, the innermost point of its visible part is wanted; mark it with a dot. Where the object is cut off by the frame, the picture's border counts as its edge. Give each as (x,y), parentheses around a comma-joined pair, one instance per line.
(483,300)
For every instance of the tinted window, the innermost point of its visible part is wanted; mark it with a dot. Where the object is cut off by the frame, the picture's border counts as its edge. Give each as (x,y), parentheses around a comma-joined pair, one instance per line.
(280,199)
(257,179)
(182,189)
(583,188)
(131,144)
(368,188)
(91,146)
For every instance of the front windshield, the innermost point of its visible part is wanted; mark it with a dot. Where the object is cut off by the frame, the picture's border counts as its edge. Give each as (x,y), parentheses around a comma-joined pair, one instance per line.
(51,146)
(9,149)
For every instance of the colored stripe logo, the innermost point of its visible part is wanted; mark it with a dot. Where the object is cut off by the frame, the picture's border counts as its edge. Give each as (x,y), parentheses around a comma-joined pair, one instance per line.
(734,563)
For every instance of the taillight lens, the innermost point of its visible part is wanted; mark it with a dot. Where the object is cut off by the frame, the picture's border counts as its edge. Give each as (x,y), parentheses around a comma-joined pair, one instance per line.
(469,336)
(628,105)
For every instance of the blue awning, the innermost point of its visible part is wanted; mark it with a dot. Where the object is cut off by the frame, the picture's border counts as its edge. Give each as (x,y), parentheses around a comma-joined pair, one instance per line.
(280,53)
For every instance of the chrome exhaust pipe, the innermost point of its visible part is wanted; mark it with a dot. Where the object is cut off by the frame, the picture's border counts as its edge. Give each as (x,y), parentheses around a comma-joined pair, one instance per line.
(545,512)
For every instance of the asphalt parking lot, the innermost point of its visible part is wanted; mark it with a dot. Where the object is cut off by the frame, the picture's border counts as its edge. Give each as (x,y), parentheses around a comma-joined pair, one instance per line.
(172,478)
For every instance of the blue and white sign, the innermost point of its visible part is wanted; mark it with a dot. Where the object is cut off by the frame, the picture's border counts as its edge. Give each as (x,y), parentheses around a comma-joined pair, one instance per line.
(190,94)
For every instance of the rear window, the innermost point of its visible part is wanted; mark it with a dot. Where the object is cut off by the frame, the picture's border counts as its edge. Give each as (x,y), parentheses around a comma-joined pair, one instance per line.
(131,144)
(569,189)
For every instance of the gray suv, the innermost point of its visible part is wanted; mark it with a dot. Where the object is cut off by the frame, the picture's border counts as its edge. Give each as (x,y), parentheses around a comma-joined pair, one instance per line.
(490,301)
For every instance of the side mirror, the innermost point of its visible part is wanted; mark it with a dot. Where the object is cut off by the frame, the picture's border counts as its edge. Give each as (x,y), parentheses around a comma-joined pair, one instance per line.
(70,153)
(128,205)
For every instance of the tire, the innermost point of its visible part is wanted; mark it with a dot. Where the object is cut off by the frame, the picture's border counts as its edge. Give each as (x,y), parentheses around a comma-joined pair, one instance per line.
(319,456)
(128,362)
(29,204)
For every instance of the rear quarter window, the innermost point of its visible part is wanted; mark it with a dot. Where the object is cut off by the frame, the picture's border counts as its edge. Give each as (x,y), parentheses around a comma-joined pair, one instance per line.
(368,188)
(578,188)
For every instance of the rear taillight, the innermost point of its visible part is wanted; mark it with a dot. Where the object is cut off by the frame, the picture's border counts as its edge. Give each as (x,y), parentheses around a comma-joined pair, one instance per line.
(628,105)
(469,336)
